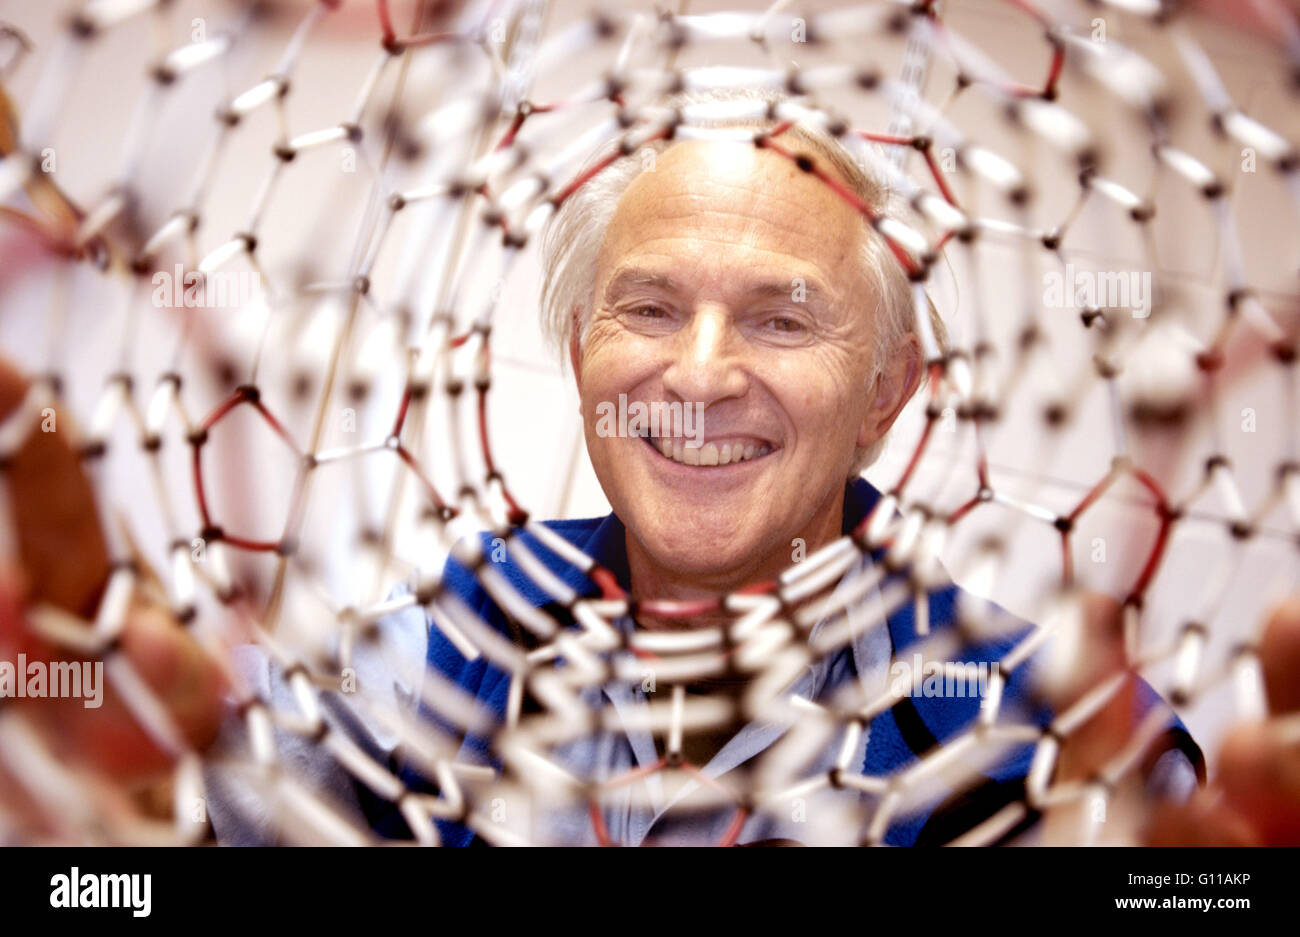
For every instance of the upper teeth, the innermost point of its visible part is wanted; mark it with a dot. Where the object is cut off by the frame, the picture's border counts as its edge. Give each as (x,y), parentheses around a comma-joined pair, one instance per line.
(711,453)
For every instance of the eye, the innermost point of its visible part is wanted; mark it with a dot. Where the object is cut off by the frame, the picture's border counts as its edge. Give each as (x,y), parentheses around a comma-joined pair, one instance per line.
(785,324)
(648,317)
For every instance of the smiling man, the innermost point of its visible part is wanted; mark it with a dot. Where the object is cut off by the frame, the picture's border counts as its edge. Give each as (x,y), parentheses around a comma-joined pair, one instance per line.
(713,287)
(724,277)
(721,276)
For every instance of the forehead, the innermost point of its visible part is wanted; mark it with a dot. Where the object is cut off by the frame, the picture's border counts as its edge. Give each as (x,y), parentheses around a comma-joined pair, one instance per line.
(712,208)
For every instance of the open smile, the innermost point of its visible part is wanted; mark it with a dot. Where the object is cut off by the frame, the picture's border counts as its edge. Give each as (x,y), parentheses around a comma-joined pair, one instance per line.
(723,451)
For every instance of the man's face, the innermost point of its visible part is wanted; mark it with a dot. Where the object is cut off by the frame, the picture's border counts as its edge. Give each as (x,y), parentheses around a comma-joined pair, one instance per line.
(731,279)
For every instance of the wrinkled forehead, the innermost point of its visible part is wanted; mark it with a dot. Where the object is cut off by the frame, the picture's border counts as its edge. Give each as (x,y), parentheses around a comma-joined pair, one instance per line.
(727,202)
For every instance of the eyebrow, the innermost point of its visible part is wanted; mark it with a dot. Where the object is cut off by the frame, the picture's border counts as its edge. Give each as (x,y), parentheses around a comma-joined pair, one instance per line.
(631,277)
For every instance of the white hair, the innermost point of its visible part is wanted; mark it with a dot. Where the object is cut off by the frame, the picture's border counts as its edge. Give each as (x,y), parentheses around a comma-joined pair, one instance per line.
(573,237)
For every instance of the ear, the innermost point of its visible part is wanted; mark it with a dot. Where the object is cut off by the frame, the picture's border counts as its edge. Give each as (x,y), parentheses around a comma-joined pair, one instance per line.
(894,387)
(575,357)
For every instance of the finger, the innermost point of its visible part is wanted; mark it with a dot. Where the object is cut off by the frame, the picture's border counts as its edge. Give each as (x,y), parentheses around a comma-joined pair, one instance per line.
(1079,679)
(15,636)
(1090,652)
(107,737)
(1280,657)
(24,812)
(1259,768)
(1256,793)
(1259,773)
(64,563)
(1248,16)
(52,506)
(1204,821)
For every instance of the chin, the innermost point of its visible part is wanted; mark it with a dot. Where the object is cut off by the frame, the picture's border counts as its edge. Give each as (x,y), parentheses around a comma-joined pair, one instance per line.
(698,549)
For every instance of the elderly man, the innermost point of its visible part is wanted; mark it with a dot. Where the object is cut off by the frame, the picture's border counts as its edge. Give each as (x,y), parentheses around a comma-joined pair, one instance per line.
(724,276)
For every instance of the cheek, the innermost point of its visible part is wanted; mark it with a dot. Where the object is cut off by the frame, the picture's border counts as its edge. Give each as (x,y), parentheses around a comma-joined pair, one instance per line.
(610,367)
(818,390)
(615,362)
(600,363)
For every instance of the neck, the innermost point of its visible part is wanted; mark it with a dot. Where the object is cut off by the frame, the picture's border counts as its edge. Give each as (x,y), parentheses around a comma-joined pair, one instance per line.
(652,579)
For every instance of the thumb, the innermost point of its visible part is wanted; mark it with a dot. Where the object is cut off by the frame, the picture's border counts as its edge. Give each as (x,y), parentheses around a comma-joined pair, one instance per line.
(1255,797)
(1259,767)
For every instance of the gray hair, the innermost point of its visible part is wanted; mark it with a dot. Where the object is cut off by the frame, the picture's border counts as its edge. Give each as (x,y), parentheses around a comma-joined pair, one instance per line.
(573,237)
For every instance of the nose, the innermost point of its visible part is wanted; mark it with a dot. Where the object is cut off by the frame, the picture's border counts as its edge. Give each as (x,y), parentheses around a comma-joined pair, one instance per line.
(707,362)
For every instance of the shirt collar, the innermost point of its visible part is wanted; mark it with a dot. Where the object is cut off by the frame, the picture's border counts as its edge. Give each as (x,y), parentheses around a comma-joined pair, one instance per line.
(604,539)
(607,543)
